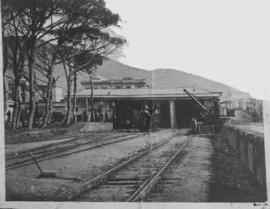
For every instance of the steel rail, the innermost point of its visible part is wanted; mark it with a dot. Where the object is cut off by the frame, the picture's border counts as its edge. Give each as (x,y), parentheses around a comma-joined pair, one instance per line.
(47,157)
(149,183)
(24,152)
(42,149)
(98,180)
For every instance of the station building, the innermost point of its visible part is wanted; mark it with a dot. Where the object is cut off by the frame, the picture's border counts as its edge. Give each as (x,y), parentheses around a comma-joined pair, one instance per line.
(174,107)
(100,82)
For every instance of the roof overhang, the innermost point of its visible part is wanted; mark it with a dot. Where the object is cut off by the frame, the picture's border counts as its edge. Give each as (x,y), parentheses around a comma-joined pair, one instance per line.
(145,93)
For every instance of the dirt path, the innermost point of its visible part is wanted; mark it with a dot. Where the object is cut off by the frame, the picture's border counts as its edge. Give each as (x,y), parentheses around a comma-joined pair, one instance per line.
(188,177)
(207,171)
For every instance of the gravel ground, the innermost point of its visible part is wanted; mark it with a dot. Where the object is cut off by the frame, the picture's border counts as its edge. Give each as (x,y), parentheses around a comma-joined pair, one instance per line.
(13,148)
(84,165)
(39,134)
(141,169)
(187,178)
(207,171)
(231,181)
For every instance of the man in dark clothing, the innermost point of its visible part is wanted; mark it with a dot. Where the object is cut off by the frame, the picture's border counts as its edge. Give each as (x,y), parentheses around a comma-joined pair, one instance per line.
(147,119)
(128,120)
(8,116)
(127,125)
(24,118)
(37,116)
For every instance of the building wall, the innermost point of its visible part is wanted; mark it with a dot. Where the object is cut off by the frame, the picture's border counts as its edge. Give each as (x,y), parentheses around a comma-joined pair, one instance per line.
(57,94)
(114,84)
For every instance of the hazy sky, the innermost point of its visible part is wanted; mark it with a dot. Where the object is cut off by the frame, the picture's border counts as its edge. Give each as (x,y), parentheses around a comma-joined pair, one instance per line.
(227,41)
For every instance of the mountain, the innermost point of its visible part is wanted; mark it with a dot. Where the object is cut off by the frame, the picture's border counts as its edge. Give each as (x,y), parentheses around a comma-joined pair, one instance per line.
(168,78)
(159,78)
(112,69)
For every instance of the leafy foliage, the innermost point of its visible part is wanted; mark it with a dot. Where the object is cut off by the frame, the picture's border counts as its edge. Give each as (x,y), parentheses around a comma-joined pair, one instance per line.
(75,32)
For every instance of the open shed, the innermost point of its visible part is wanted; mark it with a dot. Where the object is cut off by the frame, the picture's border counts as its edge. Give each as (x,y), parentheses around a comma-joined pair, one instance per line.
(174,107)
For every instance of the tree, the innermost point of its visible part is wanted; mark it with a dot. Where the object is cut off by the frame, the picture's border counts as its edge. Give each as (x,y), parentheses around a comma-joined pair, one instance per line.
(47,56)
(66,54)
(33,20)
(13,54)
(94,51)
(41,22)
(18,60)
(88,63)
(80,53)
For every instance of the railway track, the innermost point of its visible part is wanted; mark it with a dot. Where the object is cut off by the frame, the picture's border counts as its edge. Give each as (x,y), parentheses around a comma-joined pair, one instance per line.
(133,179)
(67,138)
(66,148)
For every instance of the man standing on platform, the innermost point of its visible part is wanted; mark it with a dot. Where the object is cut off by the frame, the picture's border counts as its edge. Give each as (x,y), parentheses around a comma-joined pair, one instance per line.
(194,125)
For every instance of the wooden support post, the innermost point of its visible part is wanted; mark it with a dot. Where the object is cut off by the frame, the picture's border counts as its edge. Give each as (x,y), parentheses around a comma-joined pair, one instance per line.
(172,114)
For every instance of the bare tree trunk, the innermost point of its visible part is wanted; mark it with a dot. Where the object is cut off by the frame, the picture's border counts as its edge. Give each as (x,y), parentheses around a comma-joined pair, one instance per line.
(18,64)
(74,97)
(47,104)
(16,105)
(48,100)
(69,113)
(32,93)
(51,105)
(93,117)
(68,74)
(5,65)
(19,115)
(5,97)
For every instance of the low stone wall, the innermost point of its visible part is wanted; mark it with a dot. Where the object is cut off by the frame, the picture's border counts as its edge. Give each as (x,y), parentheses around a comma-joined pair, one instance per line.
(250,148)
(97,126)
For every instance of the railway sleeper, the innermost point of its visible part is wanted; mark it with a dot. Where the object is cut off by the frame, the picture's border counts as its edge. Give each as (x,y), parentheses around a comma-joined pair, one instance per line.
(122,181)
(101,179)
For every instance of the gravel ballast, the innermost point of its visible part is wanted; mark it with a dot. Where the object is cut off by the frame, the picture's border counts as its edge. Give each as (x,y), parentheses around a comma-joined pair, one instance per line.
(23,184)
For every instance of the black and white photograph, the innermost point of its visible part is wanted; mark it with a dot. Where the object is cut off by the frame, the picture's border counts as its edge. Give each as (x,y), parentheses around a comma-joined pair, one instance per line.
(139,101)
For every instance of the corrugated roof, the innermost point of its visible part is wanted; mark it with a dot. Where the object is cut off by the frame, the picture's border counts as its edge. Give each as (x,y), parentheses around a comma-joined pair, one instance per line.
(145,93)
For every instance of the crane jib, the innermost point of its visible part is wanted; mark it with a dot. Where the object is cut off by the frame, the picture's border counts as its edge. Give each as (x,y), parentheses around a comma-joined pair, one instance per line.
(196,100)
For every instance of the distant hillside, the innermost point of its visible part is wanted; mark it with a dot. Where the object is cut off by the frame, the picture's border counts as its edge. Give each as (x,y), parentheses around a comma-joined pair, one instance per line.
(110,69)
(114,69)
(168,78)
(159,78)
